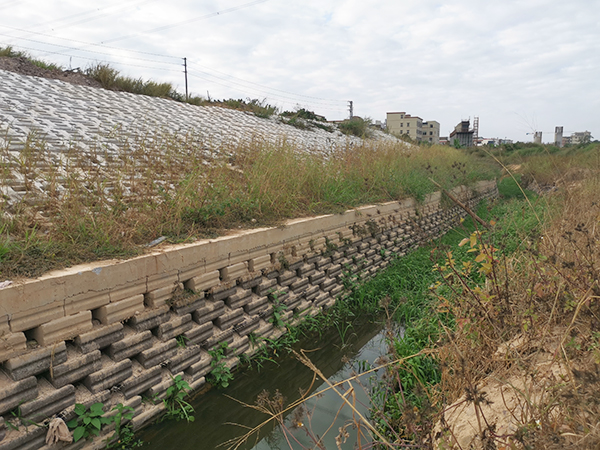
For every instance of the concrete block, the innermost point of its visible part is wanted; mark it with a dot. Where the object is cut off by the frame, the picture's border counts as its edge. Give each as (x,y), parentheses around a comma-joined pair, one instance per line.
(32,439)
(141,382)
(188,304)
(217,338)
(149,319)
(259,263)
(185,358)
(328,284)
(108,377)
(36,361)
(11,345)
(2,429)
(130,346)
(239,345)
(299,285)
(14,393)
(265,329)
(239,299)
(170,277)
(174,327)
(305,270)
(48,405)
(128,291)
(311,293)
(222,292)
(63,328)
(265,287)
(203,282)
(86,302)
(334,270)
(147,417)
(229,319)
(286,278)
(199,333)
(99,338)
(247,326)
(74,369)
(211,311)
(157,354)
(119,311)
(336,291)
(316,278)
(321,299)
(159,297)
(256,305)
(159,390)
(234,272)
(252,280)
(32,318)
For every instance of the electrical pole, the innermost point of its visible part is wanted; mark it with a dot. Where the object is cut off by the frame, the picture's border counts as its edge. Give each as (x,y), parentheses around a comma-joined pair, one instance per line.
(185,71)
(351,108)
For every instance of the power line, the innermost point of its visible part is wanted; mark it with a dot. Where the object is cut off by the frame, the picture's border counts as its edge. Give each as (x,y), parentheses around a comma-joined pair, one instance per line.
(86,43)
(298,99)
(107,61)
(286,100)
(76,49)
(185,22)
(333,101)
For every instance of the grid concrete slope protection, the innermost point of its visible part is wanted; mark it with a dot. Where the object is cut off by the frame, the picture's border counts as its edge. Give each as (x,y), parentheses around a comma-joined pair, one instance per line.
(111,331)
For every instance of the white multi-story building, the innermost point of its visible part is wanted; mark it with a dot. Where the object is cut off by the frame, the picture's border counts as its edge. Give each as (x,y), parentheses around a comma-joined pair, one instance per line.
(401,124)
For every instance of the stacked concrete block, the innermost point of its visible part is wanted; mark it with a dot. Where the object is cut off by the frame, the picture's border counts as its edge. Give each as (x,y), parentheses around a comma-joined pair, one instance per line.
(49,404)
(36,361)
(130,346)
(174,327)
(157,354)
(150,319)
(111,375)
(141,381)
(13,393)
(119,310)
(75,369)
(99,338)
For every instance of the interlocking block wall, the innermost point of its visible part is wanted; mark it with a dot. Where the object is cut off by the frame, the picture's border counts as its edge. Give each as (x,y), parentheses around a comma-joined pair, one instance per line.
(114,331)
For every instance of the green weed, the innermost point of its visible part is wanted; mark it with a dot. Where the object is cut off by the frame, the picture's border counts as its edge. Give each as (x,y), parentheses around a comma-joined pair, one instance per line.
(220,374)
(174,401)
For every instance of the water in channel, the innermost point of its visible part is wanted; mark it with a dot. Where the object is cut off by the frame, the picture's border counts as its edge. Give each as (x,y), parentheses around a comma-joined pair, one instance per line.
(216,414)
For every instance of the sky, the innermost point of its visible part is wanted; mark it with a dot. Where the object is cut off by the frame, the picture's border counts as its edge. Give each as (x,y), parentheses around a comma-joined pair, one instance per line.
(520,66)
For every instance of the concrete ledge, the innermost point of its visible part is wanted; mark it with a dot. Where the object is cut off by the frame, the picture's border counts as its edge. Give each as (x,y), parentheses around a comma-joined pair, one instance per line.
(110,376)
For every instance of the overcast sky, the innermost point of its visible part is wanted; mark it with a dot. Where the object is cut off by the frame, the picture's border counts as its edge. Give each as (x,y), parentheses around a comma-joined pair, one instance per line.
(521,66)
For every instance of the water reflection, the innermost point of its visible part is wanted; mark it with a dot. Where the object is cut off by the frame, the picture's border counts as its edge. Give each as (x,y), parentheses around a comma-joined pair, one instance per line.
(219,418)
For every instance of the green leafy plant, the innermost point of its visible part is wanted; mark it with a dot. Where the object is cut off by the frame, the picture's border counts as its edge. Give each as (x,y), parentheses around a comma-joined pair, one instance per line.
(278,310)
(88,422)
(181,341)
(221,374)
(175,404)
(123,437)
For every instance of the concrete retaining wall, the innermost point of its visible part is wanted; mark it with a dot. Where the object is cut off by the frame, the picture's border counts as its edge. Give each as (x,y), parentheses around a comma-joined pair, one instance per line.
(113,331)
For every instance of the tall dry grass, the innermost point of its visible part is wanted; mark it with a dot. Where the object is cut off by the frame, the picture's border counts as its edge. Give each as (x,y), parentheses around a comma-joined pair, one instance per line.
(100,203)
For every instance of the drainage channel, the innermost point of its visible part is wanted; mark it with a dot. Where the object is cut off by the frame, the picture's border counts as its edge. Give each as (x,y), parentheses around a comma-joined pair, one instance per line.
(219,418)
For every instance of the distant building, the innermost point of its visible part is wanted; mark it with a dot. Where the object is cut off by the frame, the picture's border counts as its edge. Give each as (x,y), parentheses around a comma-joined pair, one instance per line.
(401,123)
(462,134)
(577,138)
(537,137)
(431,132)
(558,136)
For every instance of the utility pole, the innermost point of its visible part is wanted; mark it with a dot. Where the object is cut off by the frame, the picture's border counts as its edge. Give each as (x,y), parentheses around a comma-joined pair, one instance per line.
(351,108)
(185,71)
